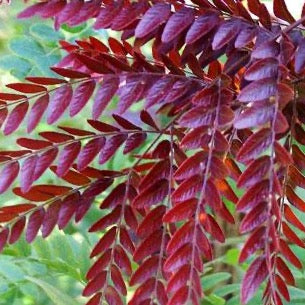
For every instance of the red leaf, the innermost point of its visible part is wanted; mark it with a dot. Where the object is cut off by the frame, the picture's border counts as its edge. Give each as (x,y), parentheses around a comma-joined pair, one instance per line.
(96,299)
(17,230)
(99,265)
(107,220)
(187,189)
(128,15)
(202,25)
(67,210)
(33,144)
(294,199)
(26,88)
(112,297)
(254,218)
(178,22)
(152,195)
(73,177)
(255,242)
(81,96)
(225,34)
(50,219)
(55,137)
(291,236)
(256,144)
(18,208)
(118,280)
(147,119)
(191,166)
(134,141)
(282,287)
(181,211)
(280,10)
(111,146)
(254,195)
(15,118)
(255,172)
(155,16)
(151,222)
(45,80)
(125,123)
(59,103)
(145,271)
(105,242)
(204,116)
(8,175)
(27,173)
(44,161)
(180,297)
(69,73)
(258,90)
(34,224)
(89,152)
(104,95)
(130,93)
(292,218)
(122,260)
(289,255)
(32,10)
(148,246)
(255,275)
(37,112)
(67,157)
(284,271)
(95,284)
(158,91)
(244,37)
(264,68)
(266,49)
(3,238)
(102,127)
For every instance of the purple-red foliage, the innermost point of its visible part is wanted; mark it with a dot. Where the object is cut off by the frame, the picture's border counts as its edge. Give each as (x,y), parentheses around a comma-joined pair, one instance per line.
(239,118)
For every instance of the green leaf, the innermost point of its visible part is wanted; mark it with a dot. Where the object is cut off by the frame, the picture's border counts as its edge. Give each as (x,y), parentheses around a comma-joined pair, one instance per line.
(296,294)
(26,47)
(209,281)
(227,289)
(45,32)
(11,271)
(232,257)
(213,300)
(57,296)
(74,29)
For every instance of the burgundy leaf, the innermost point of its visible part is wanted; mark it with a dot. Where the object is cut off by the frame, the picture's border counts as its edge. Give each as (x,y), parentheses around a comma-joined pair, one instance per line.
(37,111)
(15,118)
(59,103)
(81,96)
(104,95)
(202,25)
(67,157)
(225,34)
(27,172)
(34,224)
(155,16)
(7,175)
(254,276)
(89,152)
(178,22)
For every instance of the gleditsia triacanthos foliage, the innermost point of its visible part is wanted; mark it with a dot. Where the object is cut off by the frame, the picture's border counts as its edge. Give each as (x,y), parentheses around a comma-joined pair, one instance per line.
(228,81)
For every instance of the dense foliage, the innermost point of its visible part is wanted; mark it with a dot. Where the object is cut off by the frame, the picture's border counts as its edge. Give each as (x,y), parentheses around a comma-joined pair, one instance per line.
(207,99)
